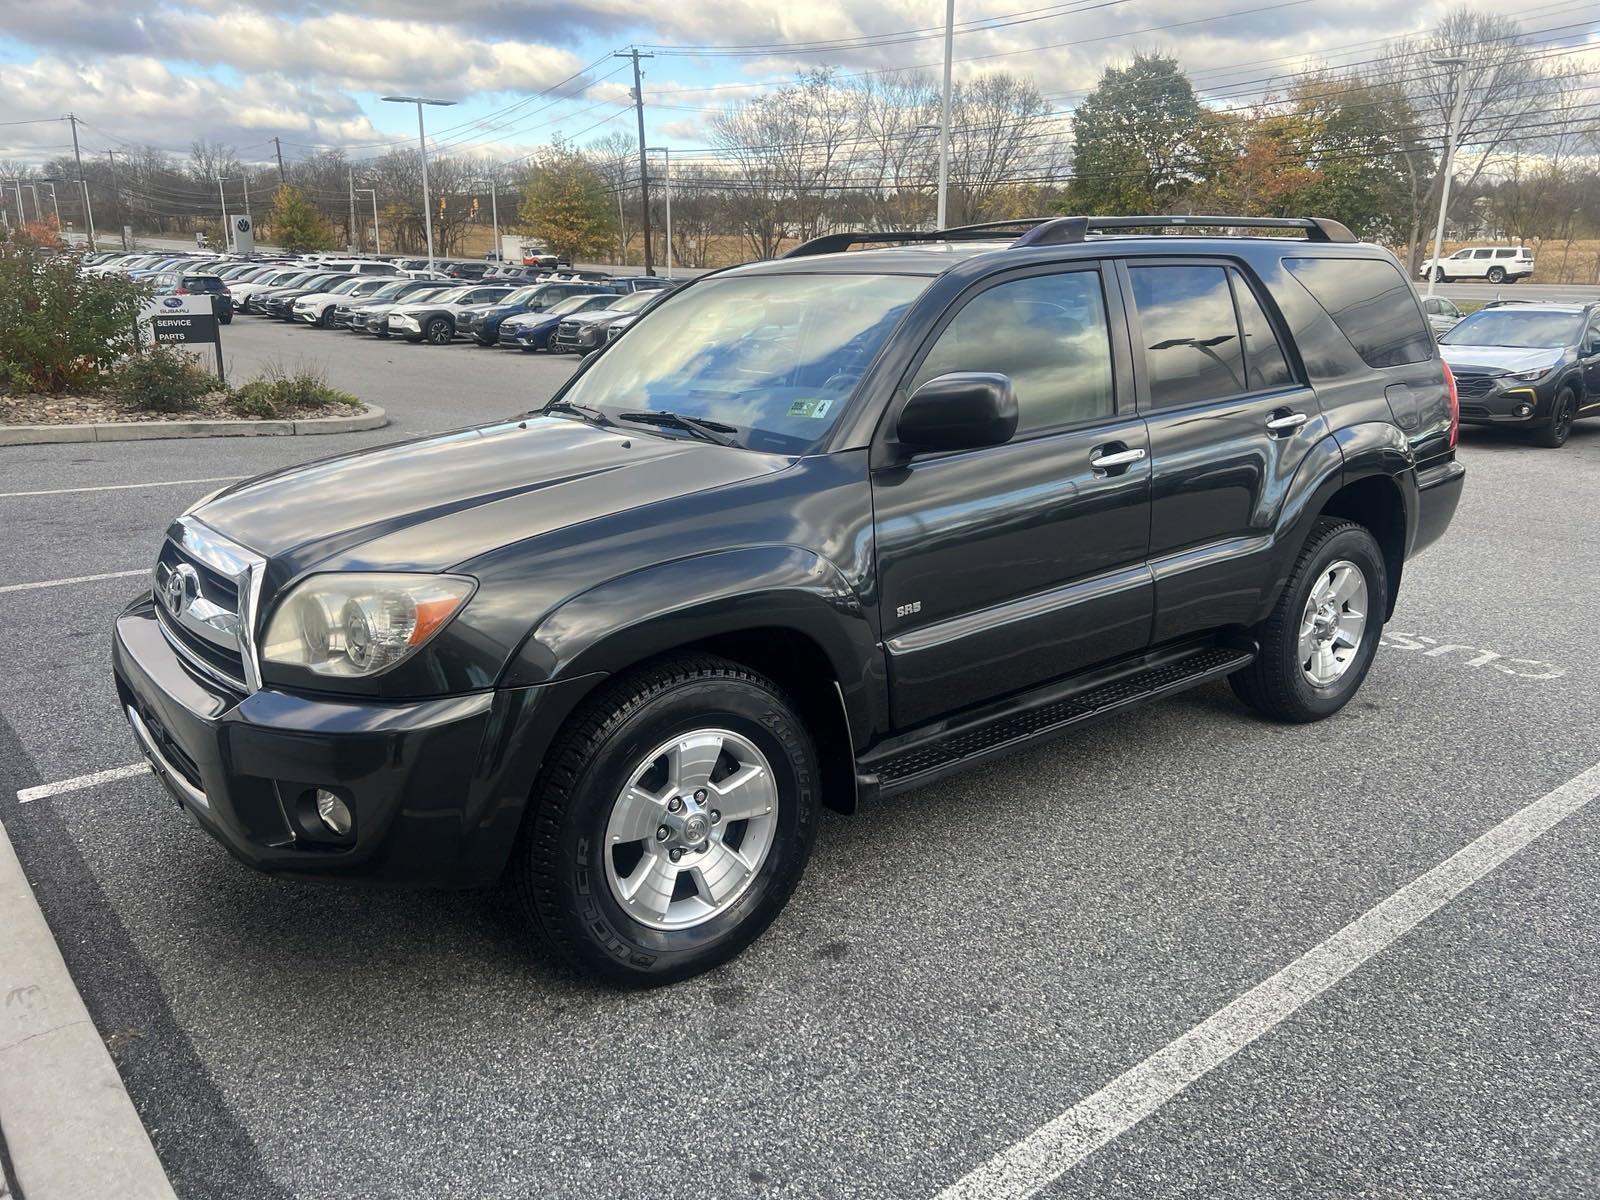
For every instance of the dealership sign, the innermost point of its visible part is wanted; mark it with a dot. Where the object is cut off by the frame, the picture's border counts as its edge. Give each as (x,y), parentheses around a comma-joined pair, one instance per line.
(181,320)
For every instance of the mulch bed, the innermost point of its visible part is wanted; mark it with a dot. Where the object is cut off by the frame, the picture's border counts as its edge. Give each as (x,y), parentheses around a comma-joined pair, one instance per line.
(94,409)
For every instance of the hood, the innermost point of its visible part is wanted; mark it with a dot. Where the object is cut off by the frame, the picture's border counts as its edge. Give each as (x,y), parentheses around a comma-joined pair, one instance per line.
(420,306)
(594,314)
(434,502)
(1498,360)
(531,320)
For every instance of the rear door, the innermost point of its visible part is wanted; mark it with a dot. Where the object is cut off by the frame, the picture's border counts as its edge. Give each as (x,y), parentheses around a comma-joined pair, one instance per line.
(1230,423)
(1004,567)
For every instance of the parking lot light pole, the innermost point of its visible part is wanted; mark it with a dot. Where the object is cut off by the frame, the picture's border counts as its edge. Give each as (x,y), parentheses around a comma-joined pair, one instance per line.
(667,151)
(377,241)
(222,203)
(494,216)
(422,142)
(54,202)
(944,112)
(1452,131)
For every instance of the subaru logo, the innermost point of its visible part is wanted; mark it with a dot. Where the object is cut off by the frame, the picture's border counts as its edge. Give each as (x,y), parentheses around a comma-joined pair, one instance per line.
(179,589)
(172,302)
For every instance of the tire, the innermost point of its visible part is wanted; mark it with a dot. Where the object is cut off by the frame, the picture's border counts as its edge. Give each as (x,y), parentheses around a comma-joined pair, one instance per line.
(226,318)
(1278,683)
(601,763)
(439,331)
(1496,275)
(1563,413)
(325,318)
(1439,276)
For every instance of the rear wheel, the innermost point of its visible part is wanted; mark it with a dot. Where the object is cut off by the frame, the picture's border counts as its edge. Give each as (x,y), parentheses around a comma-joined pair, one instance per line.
(671,823)
(1565,411)
(1319,642)
(1496,275)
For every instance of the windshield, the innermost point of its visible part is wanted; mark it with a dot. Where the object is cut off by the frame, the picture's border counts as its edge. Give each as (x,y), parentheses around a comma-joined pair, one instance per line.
(394,289)
(345,287)
(521,296)
(634,301)
(1522,328)
(572,304)
(450,295)
(435,293)
(774,356)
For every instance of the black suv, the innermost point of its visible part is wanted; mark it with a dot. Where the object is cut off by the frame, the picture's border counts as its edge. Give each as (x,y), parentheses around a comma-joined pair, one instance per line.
(810,531)
(1527,365)
(183,283)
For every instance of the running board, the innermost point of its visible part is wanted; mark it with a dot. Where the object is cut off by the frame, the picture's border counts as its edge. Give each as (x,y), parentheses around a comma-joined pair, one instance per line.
(958,746)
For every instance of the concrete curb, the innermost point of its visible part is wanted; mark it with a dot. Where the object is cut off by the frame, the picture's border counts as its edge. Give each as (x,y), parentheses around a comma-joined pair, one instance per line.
(139,431)
(70,1129)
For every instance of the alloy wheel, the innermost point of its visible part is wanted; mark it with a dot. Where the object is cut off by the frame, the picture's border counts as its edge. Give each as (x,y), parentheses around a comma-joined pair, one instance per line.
(691,828)
(1333,623)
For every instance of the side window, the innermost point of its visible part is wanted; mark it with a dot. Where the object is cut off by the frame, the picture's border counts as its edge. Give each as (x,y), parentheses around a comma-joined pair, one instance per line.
(1048,333)
(1462,254)
(1505,253)
(1482,253)
(1191,339)
(1371,303)
(1264,360)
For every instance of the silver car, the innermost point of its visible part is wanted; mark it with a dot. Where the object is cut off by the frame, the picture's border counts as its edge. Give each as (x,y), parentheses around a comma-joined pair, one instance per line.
(1442,315)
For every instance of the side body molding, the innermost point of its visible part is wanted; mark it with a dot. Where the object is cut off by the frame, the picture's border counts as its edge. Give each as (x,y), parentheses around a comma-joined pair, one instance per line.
(652,611)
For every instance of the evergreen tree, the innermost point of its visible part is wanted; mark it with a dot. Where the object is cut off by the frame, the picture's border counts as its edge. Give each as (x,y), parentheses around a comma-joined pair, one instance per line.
(1133,139)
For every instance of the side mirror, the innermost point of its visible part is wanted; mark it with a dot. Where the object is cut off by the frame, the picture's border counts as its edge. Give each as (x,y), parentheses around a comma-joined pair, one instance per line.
(964,410)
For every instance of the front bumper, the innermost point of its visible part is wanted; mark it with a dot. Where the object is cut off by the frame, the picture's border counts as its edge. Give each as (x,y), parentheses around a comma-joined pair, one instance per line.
(437,786)
(1501,400)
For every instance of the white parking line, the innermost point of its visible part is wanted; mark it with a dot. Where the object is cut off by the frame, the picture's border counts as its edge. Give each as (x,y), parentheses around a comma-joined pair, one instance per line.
(1055,1148)
(45,790)
(121,487)
(44,583)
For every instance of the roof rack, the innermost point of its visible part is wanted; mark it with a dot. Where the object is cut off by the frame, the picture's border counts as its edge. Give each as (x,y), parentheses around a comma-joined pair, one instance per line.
(1064,231)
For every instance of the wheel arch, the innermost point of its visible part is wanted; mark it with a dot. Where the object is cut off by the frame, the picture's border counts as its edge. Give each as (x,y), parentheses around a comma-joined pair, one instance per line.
(1377,503)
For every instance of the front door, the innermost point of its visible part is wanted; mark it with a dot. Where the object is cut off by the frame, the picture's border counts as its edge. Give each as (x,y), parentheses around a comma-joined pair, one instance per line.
(1005,567)
(1229,426)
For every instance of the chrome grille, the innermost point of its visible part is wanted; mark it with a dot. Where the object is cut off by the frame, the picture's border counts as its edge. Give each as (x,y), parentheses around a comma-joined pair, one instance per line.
(206,592)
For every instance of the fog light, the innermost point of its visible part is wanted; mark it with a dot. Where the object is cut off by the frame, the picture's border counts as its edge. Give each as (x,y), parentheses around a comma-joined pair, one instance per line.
(334,812)
(1524,410)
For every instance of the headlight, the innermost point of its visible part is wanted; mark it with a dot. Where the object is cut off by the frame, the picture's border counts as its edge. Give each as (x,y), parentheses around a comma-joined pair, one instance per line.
(361,623)
(1536,373)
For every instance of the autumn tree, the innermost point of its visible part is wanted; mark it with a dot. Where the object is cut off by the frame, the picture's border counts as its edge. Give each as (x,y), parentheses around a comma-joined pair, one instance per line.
(296,224)
(566,205)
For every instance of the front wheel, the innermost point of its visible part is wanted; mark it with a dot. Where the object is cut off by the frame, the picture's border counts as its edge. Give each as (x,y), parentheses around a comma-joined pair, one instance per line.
(1439,276)
(671,822)
(439,331)
(1319,642)
(1565,411)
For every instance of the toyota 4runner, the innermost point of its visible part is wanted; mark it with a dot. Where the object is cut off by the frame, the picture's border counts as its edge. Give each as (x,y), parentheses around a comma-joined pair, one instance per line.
(810,531)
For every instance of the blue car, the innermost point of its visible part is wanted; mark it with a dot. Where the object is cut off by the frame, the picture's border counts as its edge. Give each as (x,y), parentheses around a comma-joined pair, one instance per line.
(531,331)
(483,326)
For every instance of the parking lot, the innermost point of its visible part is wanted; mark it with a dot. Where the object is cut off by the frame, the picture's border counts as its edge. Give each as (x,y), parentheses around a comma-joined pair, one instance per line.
(960,966)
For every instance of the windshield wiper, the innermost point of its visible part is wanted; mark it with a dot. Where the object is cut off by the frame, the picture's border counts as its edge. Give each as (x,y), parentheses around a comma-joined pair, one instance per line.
(593,415)
(708,431)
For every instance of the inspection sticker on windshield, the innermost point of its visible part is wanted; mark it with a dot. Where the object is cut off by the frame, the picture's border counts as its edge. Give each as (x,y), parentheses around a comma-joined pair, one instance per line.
(817,407)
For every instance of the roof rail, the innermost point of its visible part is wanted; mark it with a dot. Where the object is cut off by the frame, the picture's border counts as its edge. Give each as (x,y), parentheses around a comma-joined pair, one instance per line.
(1063,231)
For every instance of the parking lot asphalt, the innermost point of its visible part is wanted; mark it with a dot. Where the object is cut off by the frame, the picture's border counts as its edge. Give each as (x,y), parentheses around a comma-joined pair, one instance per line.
(960,964)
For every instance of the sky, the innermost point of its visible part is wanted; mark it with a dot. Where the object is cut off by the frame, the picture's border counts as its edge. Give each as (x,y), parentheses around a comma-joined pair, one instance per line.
(166,72)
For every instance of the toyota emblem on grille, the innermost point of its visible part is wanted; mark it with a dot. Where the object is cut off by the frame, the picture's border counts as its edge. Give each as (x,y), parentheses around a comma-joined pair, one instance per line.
(180,588)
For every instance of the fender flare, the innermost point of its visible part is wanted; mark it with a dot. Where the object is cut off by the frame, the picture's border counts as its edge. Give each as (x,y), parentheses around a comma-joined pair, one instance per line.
(641,615)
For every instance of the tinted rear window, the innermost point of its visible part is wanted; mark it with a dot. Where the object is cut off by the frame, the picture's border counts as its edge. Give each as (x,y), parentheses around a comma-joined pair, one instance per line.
(1372,304)
(202,283)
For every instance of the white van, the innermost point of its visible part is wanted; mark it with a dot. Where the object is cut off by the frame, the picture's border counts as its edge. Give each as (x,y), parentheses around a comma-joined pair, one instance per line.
(1497,264)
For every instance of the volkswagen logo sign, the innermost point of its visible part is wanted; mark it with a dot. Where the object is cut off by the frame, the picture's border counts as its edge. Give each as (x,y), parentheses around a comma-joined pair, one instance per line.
(172,302)
(179,589)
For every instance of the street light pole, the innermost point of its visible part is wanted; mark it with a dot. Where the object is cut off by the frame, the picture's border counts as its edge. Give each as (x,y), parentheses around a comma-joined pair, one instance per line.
(55,203)
(494,215)
(222,203)
(667,151)
(1450,135)
(422,142)
(944,111)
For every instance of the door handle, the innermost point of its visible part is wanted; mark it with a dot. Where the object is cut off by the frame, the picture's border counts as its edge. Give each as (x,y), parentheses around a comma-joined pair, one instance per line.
(1286,422)
(1115,459)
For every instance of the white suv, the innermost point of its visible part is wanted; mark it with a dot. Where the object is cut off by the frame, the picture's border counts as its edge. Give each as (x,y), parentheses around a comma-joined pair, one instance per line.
(1497,264)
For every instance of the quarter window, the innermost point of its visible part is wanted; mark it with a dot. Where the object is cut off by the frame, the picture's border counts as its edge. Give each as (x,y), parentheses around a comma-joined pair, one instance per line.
(1048,333)
(1191,337)
(1505,253)
(1371,303)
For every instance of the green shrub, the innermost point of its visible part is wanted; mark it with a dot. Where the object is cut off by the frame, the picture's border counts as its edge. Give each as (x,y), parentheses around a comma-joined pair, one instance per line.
(278,392)
(59,330)
(161,379)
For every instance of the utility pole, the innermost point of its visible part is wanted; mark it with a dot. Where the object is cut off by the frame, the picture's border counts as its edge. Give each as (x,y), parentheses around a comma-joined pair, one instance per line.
(355,238)
(1448,166)
(644,168)
(377,238)
(83,182)
(116,190)
(494,215)
(944,113)
(283,176)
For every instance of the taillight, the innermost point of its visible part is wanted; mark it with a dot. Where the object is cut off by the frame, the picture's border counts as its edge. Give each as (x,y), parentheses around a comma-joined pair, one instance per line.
(183,291)
(1455,403)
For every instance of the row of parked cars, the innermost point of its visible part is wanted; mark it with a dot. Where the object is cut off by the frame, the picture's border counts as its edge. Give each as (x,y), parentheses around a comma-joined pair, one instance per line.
(525,305)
